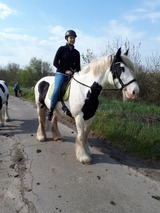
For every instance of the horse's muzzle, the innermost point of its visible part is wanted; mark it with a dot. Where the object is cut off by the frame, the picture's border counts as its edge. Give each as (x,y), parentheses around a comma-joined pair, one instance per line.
(131,95)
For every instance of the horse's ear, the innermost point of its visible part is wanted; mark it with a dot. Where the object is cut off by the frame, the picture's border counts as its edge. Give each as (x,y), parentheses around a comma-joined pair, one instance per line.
(118,54)
(126,53)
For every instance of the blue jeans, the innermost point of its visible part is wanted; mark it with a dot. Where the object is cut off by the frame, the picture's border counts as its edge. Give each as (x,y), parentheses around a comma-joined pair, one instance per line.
(59,79)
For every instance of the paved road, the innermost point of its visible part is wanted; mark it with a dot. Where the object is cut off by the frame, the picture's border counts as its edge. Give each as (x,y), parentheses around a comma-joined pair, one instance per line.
(46,177)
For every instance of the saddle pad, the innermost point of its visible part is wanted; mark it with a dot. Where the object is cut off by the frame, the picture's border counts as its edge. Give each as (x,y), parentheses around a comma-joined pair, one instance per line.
(66,94)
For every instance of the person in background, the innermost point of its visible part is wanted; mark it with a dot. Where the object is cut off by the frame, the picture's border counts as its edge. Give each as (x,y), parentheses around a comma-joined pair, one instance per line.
(67,61)
(16,89)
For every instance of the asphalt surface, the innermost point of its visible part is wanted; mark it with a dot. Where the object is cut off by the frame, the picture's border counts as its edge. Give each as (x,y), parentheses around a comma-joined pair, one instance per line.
(46,177)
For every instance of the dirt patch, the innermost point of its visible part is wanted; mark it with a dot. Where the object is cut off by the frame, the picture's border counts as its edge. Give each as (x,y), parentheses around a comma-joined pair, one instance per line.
(19,161)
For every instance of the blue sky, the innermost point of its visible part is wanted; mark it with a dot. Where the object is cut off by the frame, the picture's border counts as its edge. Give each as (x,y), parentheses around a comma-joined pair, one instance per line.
(36,28)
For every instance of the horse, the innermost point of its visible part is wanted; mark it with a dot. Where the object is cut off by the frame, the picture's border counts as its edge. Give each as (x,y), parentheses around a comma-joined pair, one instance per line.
(85,88)
(4,96)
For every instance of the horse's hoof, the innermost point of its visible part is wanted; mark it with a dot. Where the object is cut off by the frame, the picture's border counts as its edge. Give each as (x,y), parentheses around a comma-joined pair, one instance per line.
(41,139)
(7,120)
(86,160)
(87,163)
(58,139)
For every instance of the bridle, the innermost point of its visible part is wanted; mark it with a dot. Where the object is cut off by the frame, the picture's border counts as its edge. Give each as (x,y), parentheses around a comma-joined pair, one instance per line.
(115,73)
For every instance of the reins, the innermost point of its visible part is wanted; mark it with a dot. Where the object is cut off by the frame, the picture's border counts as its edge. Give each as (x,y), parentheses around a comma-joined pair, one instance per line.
(114,89)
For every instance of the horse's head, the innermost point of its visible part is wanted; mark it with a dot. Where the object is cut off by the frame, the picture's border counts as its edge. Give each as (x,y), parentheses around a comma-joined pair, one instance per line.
(122,72)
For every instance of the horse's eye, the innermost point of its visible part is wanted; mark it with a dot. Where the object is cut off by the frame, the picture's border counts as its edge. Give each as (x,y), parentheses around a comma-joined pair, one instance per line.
(122,69)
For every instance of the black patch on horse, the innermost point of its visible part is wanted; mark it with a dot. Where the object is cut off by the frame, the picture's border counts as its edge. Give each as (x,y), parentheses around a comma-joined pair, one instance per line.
(116,68)
(91,103)
(7,99)
(0,103)
(2,88)
(42,89)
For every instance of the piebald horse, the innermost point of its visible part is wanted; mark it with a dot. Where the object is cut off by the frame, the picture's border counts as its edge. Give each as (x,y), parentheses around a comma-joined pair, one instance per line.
(85,88)
(4,96)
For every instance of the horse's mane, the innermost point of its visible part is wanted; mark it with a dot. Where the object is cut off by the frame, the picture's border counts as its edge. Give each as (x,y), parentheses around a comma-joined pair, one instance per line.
(97,65)
(128,62)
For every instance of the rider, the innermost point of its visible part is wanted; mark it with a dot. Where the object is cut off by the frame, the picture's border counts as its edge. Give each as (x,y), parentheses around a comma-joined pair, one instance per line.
(67,61)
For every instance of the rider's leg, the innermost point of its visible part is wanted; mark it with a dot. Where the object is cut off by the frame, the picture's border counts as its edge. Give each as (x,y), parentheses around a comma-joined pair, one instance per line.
(59,79)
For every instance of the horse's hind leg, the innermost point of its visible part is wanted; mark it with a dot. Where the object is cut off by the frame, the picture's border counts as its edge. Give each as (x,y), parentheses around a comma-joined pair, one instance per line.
(54,128)
(83,153)
(6,115)
(41,131)
(1,118)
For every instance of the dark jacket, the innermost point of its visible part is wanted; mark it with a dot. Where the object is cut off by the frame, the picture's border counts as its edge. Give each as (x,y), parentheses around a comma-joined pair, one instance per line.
(16,87)
(67,59)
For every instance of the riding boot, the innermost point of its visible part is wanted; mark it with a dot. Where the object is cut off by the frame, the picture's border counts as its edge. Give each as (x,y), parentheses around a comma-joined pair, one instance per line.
(49,115)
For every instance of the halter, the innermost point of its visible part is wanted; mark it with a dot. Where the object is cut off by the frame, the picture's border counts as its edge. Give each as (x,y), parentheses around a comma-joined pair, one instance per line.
(116,75)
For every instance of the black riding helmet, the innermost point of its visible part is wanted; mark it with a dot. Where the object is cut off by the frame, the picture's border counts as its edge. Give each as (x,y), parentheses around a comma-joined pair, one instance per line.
(70,33)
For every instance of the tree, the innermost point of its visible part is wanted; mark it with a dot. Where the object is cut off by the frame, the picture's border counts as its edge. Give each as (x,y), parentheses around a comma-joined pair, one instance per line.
(13,71)
(125,44)
(34,71)
(88,57)
(3,74)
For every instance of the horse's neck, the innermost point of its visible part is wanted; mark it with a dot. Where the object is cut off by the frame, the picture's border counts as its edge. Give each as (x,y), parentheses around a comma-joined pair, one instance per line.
(97,71)
(90,77)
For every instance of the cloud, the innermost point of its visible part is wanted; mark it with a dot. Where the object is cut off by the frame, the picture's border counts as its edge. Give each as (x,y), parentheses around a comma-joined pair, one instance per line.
(131,18)
(152,5)
(5,11)
(119,29)
(154,16)
(149,10)
(17,37)
(20,48)
(58,31)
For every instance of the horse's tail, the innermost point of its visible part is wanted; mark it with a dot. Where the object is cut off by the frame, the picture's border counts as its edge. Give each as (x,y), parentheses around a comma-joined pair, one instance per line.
(41,90)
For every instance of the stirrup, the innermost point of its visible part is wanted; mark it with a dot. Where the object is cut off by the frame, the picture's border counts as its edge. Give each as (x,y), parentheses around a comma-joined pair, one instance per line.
(66,111)
(49,115)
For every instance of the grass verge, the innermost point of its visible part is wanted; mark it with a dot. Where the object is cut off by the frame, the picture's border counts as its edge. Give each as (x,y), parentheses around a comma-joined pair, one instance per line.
(133,127)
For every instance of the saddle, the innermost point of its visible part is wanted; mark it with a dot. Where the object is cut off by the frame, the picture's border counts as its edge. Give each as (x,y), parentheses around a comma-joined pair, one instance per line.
(64,91)
(64,95)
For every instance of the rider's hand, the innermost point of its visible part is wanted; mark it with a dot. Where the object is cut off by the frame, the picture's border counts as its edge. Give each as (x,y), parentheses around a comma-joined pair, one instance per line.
(68,72)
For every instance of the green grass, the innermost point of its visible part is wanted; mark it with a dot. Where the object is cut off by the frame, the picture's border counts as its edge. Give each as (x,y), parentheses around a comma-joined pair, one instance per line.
(134,127)
(27,93)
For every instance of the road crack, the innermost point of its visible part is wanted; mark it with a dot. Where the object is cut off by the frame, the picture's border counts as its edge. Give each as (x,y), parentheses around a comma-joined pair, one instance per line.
(20,160)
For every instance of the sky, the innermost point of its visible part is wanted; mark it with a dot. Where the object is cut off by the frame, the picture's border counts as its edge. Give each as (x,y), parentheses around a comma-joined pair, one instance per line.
(36,28)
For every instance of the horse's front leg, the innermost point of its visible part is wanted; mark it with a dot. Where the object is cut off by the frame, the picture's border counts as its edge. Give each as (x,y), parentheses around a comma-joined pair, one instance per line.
(41,131)
(6,115)
(54,128)
(86,133)
(1,118)
(83,153)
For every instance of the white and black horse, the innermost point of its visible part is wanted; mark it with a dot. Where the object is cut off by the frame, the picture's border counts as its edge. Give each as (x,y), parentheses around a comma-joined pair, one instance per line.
(4,96)
(85,89)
